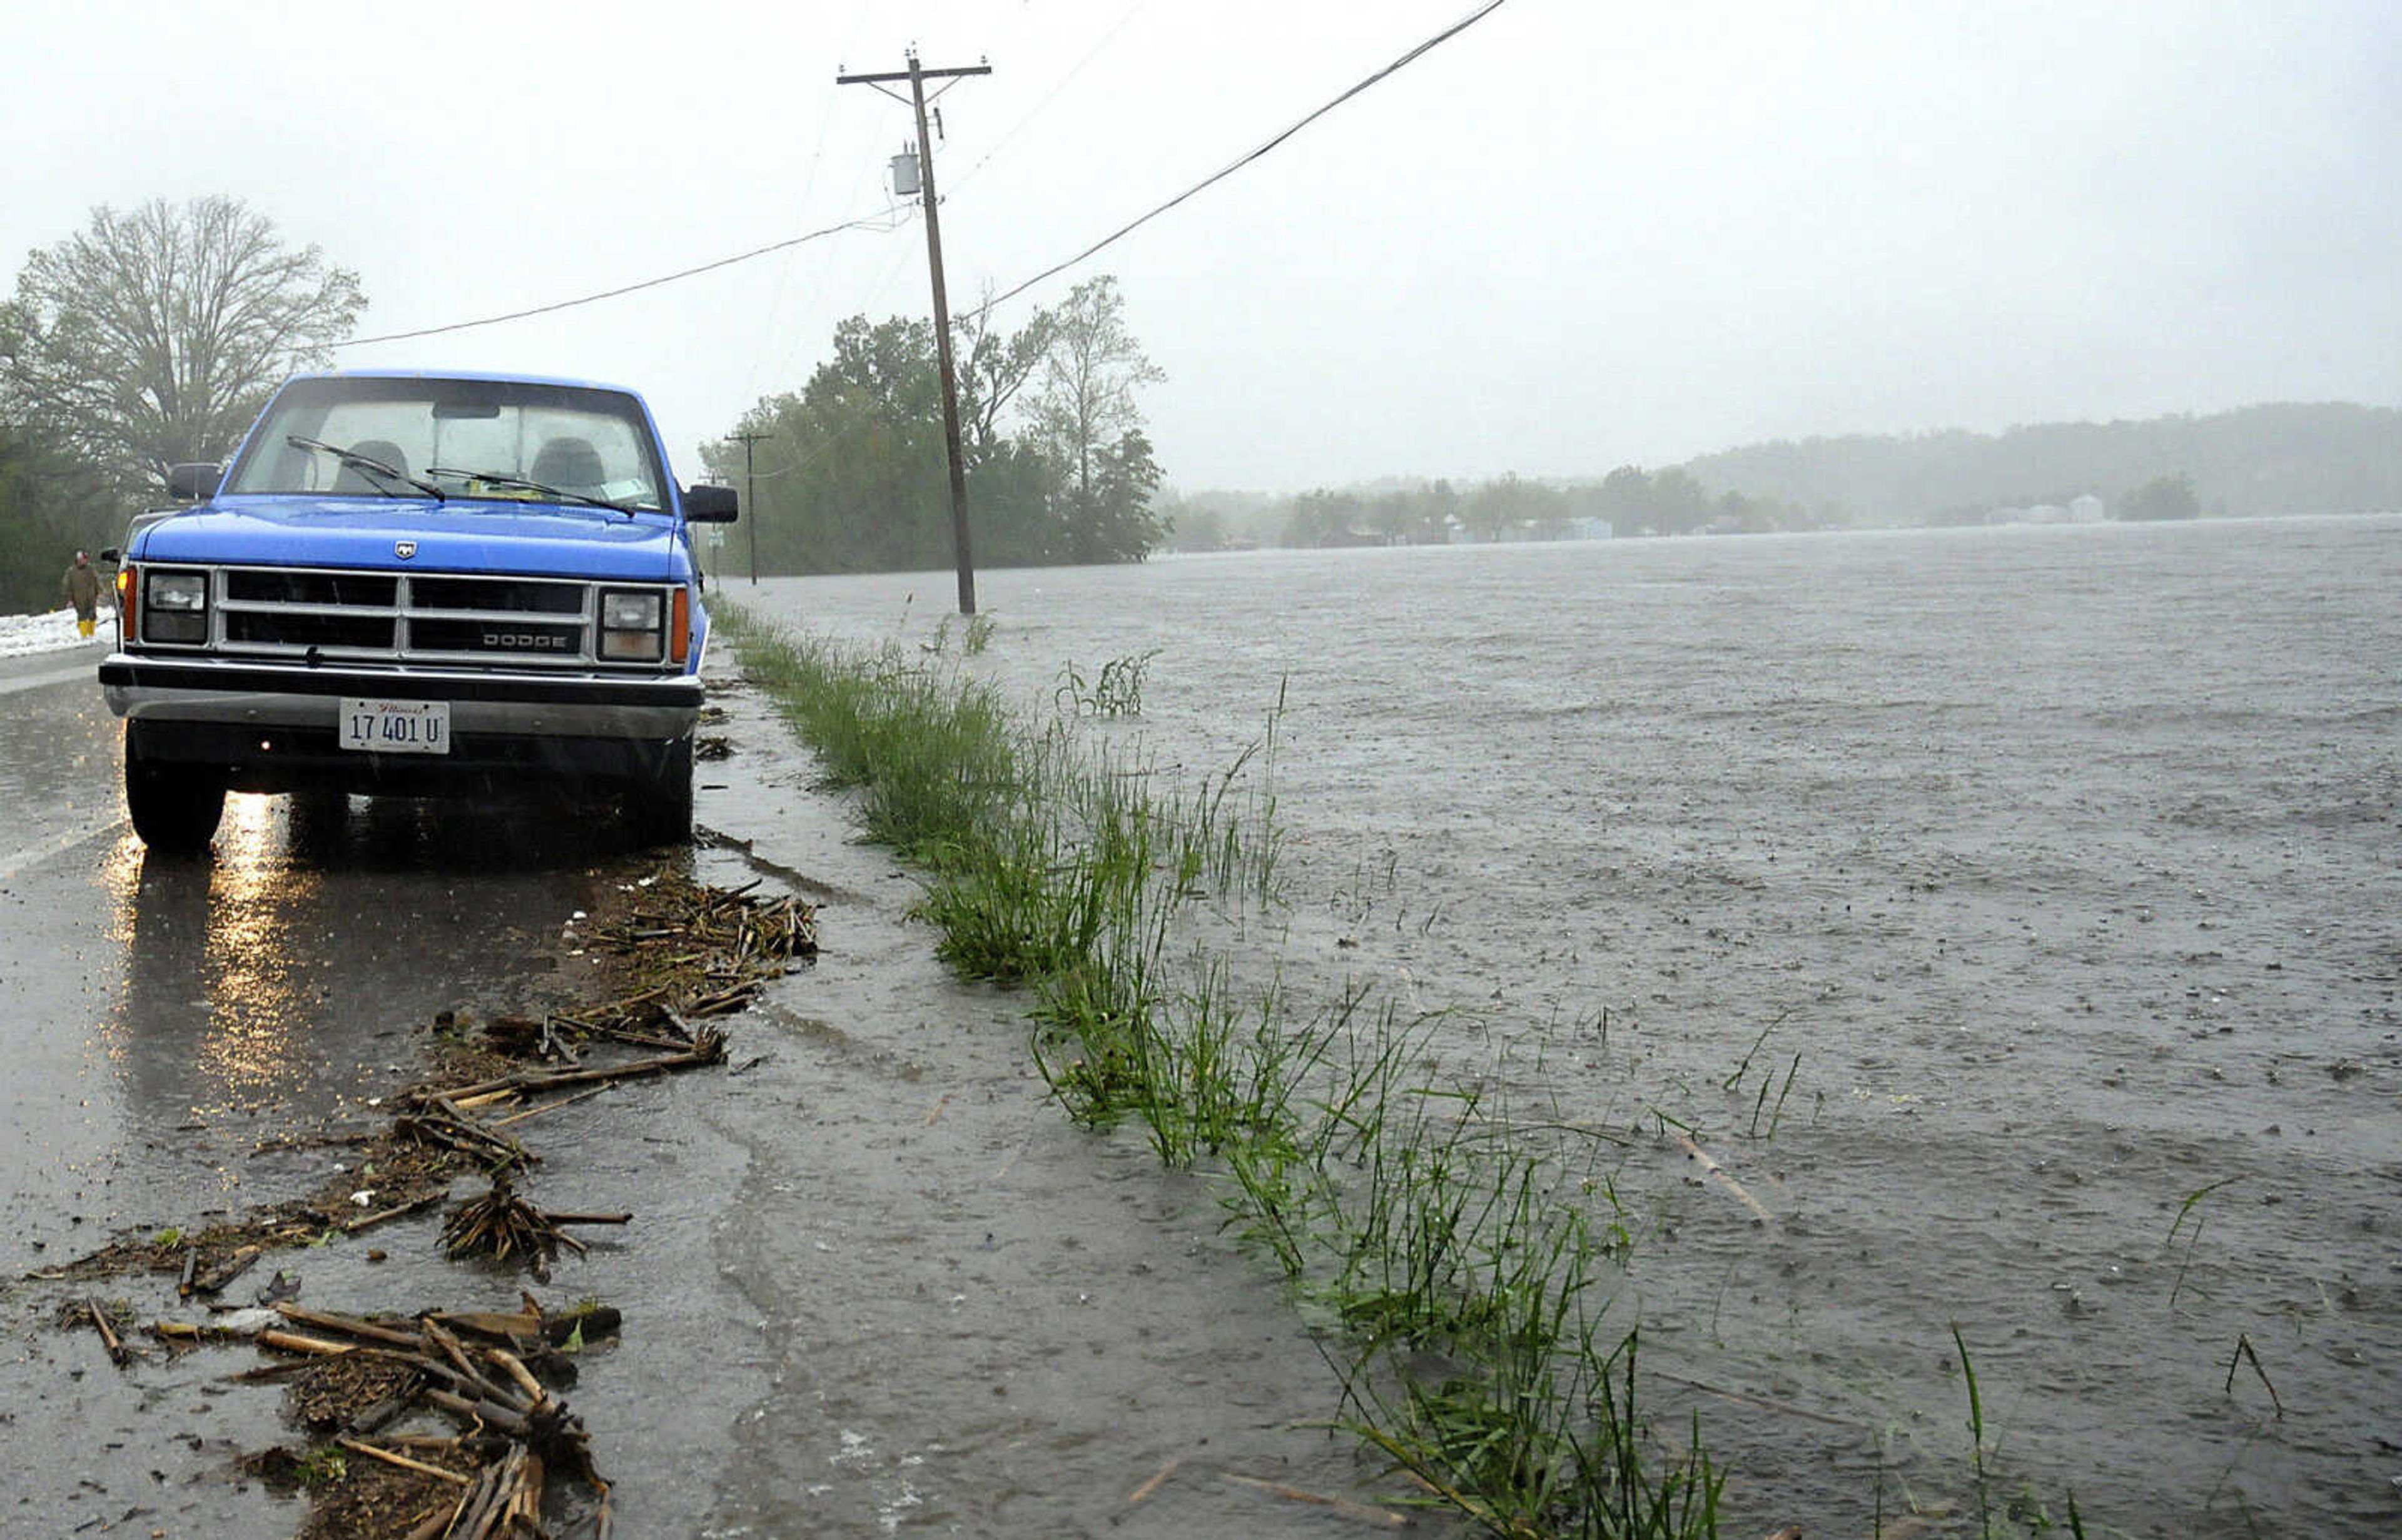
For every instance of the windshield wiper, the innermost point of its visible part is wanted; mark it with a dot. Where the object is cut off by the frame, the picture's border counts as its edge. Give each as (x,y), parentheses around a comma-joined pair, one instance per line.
(526,483)
(372,466)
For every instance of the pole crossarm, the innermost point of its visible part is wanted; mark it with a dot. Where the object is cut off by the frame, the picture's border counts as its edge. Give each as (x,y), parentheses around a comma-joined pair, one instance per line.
(910,74)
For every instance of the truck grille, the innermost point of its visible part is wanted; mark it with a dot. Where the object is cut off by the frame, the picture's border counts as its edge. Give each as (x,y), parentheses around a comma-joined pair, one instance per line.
(516,622)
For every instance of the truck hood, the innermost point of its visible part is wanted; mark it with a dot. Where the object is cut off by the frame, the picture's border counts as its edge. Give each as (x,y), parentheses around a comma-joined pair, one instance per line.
(522,539)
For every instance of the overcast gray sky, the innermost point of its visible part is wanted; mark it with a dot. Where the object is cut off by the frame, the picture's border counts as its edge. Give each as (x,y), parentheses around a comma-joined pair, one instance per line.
(1579,234)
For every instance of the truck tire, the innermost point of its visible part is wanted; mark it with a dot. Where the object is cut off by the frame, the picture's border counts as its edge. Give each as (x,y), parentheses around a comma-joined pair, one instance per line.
(659,811)
(175,808)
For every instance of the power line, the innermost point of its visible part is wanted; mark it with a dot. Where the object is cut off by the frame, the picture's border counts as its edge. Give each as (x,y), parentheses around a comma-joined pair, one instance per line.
(878,221)
(860,224)
(1052,95)
(985,309)
(808,184)
(1124,230)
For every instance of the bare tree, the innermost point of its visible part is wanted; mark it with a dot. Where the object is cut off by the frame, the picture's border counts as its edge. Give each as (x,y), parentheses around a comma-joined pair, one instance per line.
(1085,405)
(996,369)
(152,336)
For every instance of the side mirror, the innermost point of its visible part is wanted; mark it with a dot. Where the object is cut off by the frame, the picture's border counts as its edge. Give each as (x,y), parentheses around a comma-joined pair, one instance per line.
(707,505)
(191,483)
(111,557)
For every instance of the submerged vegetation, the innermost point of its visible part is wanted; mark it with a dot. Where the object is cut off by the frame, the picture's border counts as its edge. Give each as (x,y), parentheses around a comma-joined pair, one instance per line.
(1460,1286)
(1463,1261)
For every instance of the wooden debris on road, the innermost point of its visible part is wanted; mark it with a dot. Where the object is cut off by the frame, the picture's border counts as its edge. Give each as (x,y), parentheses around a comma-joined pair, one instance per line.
(353,1393)
(397,1211)
(394,1457)
(690,952)
(406,1177)
(504,1227)
(706,1048)
(514,1437)
(530,1038)
(439,1118)
(703,952)
(680,955)
(237,1263)
(522,1330)
(119,1354)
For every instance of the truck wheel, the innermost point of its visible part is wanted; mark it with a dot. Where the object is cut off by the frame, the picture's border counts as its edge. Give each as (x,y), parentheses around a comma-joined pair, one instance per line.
(175,808)
(659,811)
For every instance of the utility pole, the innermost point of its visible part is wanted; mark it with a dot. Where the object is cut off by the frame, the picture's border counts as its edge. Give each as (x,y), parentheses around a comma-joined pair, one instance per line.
(918,76)
(750,498)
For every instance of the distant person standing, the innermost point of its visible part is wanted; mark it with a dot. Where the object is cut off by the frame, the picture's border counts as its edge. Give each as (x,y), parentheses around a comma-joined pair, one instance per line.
(83,592)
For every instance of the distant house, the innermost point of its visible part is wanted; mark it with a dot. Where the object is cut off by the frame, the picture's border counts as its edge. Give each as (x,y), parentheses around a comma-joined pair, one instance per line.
(2085,508)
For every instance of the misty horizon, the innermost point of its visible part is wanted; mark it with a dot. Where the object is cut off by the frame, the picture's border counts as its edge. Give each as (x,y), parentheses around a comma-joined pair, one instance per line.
(1685,232)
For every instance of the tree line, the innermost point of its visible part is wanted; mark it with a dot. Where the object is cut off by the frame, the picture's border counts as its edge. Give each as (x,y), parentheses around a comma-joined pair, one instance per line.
(2267,459)
(2282,457)
(152,336)
(850,471)
(1629,501)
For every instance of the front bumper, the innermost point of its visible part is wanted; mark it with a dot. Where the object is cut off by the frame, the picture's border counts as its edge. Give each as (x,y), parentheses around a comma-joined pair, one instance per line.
(249,694)
(273,727)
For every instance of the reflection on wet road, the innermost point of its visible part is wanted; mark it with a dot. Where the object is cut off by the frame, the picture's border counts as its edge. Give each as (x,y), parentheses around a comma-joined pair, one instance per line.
(278,982)
(165,1023)
(323,931)
(59,758)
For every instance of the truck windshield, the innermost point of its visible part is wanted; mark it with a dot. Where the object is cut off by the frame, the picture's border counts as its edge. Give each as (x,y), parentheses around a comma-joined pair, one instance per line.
(501,440)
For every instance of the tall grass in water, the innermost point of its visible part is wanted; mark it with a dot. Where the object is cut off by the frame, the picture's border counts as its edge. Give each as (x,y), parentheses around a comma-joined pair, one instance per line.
(1455,1276)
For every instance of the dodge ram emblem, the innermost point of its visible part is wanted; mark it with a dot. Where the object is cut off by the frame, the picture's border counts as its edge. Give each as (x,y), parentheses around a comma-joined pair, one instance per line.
(404,549)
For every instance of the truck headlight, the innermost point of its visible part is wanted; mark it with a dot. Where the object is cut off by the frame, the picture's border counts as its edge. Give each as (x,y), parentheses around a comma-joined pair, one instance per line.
(629,625)
(175,606)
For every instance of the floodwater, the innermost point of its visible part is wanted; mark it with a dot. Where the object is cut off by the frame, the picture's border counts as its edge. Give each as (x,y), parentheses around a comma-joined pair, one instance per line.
(2013,913)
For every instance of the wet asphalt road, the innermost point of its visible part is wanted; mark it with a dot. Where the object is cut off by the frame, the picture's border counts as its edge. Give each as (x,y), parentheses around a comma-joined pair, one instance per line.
(875,1284)
(165,1023)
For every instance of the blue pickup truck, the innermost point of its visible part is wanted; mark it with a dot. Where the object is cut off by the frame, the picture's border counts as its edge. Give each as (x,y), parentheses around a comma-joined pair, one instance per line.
(417,585)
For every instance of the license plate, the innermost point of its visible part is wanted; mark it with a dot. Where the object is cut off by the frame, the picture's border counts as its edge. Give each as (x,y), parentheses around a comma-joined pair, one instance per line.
(396,726)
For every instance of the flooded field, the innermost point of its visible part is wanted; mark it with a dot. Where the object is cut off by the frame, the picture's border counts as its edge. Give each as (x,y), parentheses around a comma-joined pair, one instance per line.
(2011,914)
